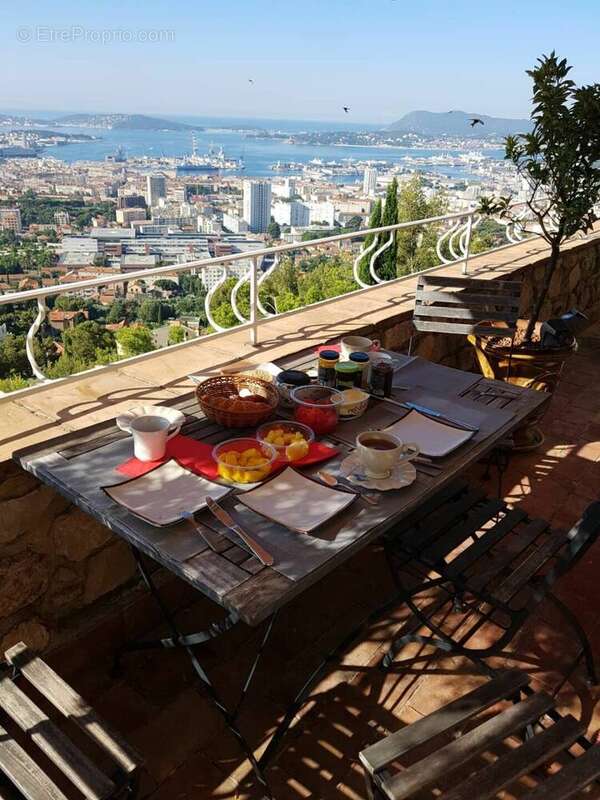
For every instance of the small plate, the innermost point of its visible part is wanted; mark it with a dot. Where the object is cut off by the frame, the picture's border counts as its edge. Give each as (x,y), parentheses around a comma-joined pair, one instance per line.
(434,437)
(174,416)
(296,501)
(163,494)
(402,475)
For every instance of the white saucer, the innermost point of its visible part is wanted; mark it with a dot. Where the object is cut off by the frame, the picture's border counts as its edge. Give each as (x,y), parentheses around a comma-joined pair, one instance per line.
(174,416)
(402,475)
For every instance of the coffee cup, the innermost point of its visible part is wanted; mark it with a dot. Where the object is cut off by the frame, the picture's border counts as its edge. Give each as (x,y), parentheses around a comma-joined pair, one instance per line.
(357,344)
(379,452)
(150,436)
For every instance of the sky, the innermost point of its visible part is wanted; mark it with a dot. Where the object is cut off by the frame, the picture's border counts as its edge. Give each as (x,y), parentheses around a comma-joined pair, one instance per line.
(307,59)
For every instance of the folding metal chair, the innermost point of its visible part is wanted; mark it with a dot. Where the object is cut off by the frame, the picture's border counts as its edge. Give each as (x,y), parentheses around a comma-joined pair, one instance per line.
(39,759)
(496,737)
(488,559)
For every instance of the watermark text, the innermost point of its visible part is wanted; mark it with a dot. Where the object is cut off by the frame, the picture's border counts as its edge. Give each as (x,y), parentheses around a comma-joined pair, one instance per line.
(46,34)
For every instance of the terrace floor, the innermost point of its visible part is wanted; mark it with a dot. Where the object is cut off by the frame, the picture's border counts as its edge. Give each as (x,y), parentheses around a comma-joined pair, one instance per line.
(188,752)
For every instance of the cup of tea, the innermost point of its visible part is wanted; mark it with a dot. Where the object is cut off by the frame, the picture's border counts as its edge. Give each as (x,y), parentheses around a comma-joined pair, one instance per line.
(357,344)
(379,452)
(150,436)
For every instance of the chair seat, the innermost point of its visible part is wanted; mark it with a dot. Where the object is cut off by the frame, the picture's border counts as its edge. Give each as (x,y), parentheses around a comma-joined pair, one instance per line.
(466,751)
(70,765)
(481,545)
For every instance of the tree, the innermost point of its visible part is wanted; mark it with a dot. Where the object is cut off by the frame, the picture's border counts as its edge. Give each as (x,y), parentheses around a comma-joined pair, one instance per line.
(150,312)
(84,341)
(135,340)
(176,335)
(354,223)
(559,161)
(273,230)
(385,265)
(374,222)
(166,285)
(13,355)
(416,246)
(120,309)
(70,303)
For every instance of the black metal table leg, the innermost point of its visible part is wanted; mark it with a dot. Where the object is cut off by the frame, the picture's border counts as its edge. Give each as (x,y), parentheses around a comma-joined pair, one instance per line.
(177,639)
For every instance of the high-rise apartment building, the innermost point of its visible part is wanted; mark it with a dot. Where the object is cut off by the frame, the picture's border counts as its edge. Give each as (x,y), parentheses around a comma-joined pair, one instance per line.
(369,181)
(257,205)
(156,187)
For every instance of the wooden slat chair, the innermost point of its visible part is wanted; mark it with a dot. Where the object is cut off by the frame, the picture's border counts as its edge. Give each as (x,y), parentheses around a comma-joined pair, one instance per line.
(43,747)
(471,308)
(493,738)
(467,307)
(491,560)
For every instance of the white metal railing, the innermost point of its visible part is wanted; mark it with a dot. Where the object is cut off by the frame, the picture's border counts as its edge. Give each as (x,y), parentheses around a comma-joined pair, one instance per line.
(456,236)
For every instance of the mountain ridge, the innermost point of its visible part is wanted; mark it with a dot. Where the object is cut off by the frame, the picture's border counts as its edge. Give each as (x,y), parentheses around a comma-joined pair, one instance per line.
(458,123)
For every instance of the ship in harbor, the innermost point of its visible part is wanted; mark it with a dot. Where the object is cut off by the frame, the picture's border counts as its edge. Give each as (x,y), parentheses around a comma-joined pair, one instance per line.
(118,157)
(214,161)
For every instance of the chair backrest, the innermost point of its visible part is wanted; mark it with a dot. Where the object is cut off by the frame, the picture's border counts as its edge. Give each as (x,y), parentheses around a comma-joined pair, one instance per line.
(580,538)
(466,306)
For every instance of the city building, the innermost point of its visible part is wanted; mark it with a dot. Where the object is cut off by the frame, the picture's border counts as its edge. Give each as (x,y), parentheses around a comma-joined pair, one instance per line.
(235,224)
(10,219)
(62,217)
(257,205)
(286,189)
(131,201)
(211,225)
(133,262)
(322,213)
(292,213)
(125,216)
(369,181)
(63,320)
(156,187)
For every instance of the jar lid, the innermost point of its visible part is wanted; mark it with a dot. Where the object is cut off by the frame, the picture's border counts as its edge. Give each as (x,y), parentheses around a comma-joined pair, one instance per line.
(329,355)
(359,358)
(293,377)
(347,366)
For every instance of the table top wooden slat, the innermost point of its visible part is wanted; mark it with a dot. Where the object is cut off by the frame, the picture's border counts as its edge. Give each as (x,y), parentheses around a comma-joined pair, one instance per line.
(232,577)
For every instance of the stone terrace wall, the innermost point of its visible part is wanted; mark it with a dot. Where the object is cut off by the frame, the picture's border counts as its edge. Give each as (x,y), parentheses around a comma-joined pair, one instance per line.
(57,564)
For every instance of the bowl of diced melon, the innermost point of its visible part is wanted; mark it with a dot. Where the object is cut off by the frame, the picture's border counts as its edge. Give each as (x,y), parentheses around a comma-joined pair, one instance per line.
(244,460)
(290,439)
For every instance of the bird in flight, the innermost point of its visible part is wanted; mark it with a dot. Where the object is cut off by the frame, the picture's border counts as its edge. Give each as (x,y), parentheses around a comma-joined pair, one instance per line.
(346,109)
(476,121)
(250,80)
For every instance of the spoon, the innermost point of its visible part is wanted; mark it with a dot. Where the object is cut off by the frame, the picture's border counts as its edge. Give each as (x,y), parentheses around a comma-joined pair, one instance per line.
(332,481)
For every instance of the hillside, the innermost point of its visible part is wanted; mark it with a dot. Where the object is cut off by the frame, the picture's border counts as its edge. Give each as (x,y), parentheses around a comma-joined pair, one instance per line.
(133,122)
(457,123)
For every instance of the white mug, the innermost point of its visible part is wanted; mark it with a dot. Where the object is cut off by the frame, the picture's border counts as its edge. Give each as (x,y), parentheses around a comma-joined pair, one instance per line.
(150,436)
(378,462)
(357,344)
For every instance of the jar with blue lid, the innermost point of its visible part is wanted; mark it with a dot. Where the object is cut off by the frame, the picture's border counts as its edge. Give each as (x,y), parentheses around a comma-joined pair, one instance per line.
(363,361)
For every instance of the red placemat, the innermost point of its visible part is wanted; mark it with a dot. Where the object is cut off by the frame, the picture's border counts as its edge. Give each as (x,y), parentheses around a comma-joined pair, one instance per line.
(337,348)
(196,456)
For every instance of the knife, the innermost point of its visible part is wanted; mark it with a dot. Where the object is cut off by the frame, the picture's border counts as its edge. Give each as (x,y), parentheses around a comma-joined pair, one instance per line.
(431,412)
(189,516)
(226,519)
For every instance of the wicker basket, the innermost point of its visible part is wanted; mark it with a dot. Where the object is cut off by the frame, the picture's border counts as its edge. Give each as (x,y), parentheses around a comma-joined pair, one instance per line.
(213,391)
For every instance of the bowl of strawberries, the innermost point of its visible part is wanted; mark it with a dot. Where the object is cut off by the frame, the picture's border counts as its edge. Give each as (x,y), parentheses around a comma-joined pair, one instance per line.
(318,407)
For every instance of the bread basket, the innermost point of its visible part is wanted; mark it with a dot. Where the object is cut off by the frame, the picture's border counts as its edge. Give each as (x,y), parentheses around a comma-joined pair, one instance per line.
(220,400)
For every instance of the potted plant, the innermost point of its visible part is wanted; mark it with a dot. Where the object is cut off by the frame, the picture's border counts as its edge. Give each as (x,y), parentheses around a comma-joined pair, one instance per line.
(559,162)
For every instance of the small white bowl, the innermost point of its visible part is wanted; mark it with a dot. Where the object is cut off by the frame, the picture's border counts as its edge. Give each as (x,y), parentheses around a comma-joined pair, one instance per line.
(355,407)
